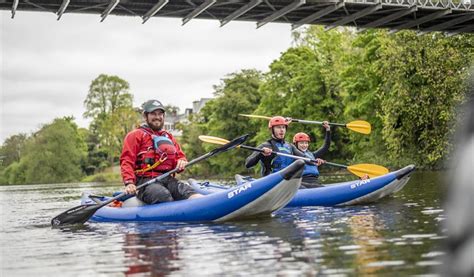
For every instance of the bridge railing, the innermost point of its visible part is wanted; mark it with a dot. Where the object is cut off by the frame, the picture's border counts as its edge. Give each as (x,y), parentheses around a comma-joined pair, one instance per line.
(447,4)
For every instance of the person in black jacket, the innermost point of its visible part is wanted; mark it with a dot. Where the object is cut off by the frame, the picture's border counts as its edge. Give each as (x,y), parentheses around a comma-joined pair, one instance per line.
(270,161)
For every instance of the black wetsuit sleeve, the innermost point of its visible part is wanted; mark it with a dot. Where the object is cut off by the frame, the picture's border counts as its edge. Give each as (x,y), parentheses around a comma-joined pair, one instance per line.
(256,157)
(324,149)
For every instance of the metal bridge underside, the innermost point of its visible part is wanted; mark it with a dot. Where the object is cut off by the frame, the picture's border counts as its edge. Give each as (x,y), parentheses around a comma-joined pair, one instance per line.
(451,16)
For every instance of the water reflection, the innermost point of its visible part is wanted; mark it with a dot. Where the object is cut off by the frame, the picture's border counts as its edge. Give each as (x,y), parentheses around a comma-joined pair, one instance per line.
(259,244)
(151,251)
(365,237)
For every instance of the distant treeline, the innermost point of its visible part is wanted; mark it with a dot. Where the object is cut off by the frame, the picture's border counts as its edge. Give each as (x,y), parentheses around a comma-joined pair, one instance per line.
(407,86)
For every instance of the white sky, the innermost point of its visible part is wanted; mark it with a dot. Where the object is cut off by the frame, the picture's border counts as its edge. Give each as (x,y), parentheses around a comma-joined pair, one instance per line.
(48,65)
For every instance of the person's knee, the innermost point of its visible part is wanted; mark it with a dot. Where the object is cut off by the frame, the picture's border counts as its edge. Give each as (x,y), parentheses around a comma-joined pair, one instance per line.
(154,194)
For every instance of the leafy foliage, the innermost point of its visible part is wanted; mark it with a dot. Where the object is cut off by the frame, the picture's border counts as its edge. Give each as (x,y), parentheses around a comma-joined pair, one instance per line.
(237,93)
(421,90)
(52,155)
(11,150)
(109,104)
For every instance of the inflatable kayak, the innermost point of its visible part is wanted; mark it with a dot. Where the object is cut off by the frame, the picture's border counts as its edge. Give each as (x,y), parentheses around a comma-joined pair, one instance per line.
(250,199)
(337,194)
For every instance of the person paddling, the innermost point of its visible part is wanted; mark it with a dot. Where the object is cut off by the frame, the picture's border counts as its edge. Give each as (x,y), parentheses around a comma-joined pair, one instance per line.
(311,173)
(269,161)
(150,151)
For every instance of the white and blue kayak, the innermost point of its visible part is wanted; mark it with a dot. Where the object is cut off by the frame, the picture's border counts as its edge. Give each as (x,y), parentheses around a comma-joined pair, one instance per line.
(336,194)
(251,199)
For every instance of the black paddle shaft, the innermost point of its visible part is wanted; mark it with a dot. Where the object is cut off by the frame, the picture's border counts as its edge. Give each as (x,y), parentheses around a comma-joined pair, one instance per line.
(292,156)
(82,213)
(279,153)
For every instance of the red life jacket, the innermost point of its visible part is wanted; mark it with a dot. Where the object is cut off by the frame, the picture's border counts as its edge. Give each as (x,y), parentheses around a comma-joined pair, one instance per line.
(160,155)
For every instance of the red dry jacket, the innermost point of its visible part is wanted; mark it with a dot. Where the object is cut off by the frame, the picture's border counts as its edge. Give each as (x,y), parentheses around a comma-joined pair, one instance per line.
(138,142)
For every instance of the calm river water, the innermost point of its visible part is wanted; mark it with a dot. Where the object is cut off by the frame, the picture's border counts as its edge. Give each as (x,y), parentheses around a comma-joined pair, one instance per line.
(400,235)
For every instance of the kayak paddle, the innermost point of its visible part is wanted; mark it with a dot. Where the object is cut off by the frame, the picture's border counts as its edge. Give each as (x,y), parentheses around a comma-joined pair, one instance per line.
(82,213)
(360,170)
(359,126)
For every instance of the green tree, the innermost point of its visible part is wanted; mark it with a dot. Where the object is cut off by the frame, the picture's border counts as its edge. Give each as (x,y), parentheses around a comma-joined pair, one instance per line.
(171,110)
(106,95)
(237,93)
(109,104)
(11,150)
(360,84)
(53,154)
(423,81)
(114,128)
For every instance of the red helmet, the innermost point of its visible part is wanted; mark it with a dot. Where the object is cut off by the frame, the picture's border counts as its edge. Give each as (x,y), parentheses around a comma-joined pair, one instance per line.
(301,137)
(277,120)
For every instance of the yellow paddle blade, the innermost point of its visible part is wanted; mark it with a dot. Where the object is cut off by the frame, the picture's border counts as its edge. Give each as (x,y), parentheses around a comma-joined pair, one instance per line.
(359,126)
(255,116)
(212,139)
(373,170)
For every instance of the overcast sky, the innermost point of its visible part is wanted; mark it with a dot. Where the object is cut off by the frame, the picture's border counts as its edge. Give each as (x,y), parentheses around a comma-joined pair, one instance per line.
(48,65)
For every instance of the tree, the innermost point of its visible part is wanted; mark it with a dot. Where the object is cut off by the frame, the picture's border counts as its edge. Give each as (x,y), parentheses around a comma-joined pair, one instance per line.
(106,95)
(237,93)
(114,128)
(109,104)
(53,154)
(360,84)
(420,93)
(171,110)
(11,149)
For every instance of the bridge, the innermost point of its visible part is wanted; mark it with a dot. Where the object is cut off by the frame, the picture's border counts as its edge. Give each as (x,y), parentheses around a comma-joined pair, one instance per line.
(449,16)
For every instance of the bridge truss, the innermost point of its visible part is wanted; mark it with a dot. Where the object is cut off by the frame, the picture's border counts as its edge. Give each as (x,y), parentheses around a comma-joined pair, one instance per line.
(423,16)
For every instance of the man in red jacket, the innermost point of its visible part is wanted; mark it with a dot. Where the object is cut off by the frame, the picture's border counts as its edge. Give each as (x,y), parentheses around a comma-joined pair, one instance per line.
(150,151)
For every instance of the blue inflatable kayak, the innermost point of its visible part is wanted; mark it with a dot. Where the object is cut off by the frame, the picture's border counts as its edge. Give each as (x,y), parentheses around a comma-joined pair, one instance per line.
(337,194)
(256,198)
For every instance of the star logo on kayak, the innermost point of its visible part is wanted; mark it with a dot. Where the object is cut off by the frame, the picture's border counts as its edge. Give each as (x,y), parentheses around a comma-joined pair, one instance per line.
(242,188)
(360,183)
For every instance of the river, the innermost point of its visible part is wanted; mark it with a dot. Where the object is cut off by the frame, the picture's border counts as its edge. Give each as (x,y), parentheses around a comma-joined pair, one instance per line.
(400,235)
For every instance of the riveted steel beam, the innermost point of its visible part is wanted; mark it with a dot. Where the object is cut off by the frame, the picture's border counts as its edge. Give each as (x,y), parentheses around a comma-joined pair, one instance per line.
(63,8)
(14,7)
(420,21)
(447,24)
(466,29)
(317,15)
(109,9)
(156,8)
(291,7)
(204,6)
(354,16)
(240,11)
(389,18)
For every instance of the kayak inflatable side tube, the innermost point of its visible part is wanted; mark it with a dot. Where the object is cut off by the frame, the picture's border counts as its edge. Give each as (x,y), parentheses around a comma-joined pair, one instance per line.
(404,171)
(293,171)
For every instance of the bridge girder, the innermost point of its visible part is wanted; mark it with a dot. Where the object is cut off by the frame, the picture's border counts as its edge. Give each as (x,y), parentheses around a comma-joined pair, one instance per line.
(451,16)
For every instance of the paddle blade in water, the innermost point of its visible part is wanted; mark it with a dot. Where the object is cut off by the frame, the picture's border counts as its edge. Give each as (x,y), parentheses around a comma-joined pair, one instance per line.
(372,170)
(76,215)
(359,126)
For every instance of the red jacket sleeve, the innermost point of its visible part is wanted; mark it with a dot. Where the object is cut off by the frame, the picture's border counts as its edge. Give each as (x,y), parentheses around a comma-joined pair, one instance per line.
(131,146)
